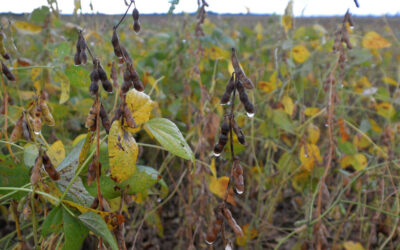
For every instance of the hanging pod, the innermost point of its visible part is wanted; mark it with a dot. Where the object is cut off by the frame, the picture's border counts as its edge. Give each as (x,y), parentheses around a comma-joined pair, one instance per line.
(232,222)
(17,131)
(104,119)
(230,86)
(216,228)
(238,132)
(239,72)
(238,176)
(6,71)
(50,169)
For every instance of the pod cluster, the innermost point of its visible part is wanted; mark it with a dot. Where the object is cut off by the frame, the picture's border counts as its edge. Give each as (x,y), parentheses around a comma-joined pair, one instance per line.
(31,121)
(131,77)
(91,123)
(124,112)
(222,213)
(136,22)
(99,74)
(238,82)
(80,56)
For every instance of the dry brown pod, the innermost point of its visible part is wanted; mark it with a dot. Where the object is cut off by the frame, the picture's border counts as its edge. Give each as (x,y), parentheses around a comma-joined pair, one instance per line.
(107,86)
(37,122)
(136,26)
(239,72)
(26,132)
(114,75)
(91,172)
(50,169)
(238,132)
(230,86)
(17,131)
(6,71)
(232,222)
(215,229)
(223,139)
(83,57)
(91,119)
(117,115)
(135,14)
(225,125)
(130,121)
(77,59)
(46,114)
(104,119)
(35,176)
(95,203)
(238,176)
(116,45)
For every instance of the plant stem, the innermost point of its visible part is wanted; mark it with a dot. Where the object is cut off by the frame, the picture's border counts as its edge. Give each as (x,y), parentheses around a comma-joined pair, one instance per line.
(123,17)
(34,222)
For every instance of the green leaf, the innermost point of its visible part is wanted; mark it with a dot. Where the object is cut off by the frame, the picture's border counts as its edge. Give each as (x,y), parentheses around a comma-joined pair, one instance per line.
(78,76)
(107,187)
(67,169)
(75,232)
(281,119)
(169,136)
(97,225)
(39,14)
(143,179)
(53,222)
(13,175)
(347,147)
(31,152)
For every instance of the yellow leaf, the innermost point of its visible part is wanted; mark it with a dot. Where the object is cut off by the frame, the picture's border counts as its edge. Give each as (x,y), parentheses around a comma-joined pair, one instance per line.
(351,245)
(215,53)
(313,133)
(300,53)
(308,155)
(242,240)
(65,87)
(212,168)
(56,153)
(389,80)
(373,40)
(361,142)
(141,106)
(112,219)
(272,84)
(300,180)
(385,109)
(28,28)
(78,139)
(219,185)
(122,151)
(358,161)
(375,127)
(287,19)
(288,104)
(362,84)
(35,73)
(311,111)
(259,30)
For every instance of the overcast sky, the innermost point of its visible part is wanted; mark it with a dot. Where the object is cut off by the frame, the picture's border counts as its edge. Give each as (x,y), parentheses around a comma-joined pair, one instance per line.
(301,7)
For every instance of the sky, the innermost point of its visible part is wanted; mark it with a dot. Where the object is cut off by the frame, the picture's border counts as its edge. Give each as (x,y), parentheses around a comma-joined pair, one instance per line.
(300,8)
